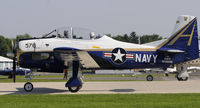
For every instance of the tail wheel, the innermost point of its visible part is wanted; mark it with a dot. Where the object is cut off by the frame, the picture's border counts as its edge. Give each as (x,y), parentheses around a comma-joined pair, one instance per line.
(182,79)
(74,89)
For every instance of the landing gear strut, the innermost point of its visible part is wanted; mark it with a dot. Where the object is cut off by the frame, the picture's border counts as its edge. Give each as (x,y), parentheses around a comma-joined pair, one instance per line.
(74,84)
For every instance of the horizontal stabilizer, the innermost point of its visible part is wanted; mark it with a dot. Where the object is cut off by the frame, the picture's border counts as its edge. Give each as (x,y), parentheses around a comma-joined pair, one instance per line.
(170,50)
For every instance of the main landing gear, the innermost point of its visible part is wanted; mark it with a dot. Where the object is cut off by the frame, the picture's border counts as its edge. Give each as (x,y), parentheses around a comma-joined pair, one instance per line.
(74,84)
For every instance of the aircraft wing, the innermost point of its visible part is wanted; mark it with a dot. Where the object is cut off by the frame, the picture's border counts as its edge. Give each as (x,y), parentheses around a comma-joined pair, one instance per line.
(86,60)
(70,54)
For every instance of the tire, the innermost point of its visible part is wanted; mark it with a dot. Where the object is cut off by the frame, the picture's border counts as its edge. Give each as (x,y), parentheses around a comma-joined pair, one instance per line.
(185,79)
(182,79)
(74,89)
(149,78)
(28,87)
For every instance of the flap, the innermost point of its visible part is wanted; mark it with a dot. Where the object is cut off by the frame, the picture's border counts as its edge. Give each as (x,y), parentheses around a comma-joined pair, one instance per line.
(66,54)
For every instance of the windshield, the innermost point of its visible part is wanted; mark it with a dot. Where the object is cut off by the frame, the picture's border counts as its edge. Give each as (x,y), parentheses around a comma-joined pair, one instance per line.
(71,33)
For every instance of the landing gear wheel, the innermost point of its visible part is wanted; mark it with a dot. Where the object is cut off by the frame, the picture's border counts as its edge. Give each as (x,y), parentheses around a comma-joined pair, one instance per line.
(28,87)
(74,89)
(182,79)
(149,78)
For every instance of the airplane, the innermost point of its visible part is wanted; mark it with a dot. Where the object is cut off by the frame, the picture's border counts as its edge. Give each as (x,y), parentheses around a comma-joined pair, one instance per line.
(6,68)
(60,51)
(19,71)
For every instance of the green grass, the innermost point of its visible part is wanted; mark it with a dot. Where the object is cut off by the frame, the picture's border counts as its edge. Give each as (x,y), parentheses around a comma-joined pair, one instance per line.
(101,101)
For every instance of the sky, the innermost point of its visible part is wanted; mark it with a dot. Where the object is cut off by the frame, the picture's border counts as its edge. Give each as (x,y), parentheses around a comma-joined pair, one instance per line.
(37,17)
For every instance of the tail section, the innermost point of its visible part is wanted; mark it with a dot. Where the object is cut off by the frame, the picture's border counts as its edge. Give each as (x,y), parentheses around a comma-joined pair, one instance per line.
(184,38)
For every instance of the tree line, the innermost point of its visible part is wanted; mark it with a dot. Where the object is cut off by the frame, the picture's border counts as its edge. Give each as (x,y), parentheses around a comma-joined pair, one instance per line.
(134,38)
(6,44)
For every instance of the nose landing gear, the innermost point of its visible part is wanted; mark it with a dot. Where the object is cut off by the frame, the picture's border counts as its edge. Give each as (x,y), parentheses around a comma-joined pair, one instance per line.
(28,87)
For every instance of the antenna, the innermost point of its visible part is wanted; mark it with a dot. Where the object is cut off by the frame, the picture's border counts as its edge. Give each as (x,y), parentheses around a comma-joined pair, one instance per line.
(139,40)
(71,32)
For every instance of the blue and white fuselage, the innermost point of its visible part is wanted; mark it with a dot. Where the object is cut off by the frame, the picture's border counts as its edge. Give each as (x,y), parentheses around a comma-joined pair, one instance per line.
(107,53)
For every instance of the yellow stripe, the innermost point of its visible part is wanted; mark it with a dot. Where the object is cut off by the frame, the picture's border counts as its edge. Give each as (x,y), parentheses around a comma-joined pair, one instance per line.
(176,38)
(126,49)
(190,40)
(109,49)
(95,47)
(185,35)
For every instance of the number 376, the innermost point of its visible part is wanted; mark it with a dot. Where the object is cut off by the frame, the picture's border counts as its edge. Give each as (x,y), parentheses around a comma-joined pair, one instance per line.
(29,45)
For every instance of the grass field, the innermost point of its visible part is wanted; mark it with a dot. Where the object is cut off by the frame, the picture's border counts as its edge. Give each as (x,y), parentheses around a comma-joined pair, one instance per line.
(101,101)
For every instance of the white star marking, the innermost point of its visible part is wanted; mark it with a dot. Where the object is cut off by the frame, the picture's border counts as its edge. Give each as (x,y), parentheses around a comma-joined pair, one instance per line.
(118,55)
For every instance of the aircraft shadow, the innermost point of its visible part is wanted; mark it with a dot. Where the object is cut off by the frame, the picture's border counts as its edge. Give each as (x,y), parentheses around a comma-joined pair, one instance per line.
(52,90)
(122,90)
(39,91)
(112,90)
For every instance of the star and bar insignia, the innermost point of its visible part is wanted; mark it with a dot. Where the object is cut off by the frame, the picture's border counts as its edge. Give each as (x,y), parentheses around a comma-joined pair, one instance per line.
(118,55)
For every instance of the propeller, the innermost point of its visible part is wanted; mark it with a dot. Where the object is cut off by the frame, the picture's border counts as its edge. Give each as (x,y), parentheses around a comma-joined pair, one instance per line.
(14,61)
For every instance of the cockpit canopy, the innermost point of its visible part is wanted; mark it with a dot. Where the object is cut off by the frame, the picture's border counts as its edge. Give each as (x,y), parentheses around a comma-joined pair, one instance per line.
(71,33)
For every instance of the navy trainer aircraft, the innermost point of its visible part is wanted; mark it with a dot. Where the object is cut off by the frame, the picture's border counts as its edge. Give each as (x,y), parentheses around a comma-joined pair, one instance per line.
(60,50)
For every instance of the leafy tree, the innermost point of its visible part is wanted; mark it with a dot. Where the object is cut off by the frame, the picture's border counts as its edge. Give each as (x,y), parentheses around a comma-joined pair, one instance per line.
(4,46)
(133,38)
(9,44)
(18,37)
(150,38)
(109,35)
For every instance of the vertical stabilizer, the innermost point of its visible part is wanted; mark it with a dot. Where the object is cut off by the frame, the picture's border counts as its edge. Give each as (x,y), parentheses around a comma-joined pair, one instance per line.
(184,38)
(181,22)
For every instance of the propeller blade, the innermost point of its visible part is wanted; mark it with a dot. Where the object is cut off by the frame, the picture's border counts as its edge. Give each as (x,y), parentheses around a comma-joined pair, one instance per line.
(14,62)
(14,68)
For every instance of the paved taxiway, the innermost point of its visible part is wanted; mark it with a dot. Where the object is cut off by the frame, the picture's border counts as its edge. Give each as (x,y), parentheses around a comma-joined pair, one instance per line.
(191,86)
